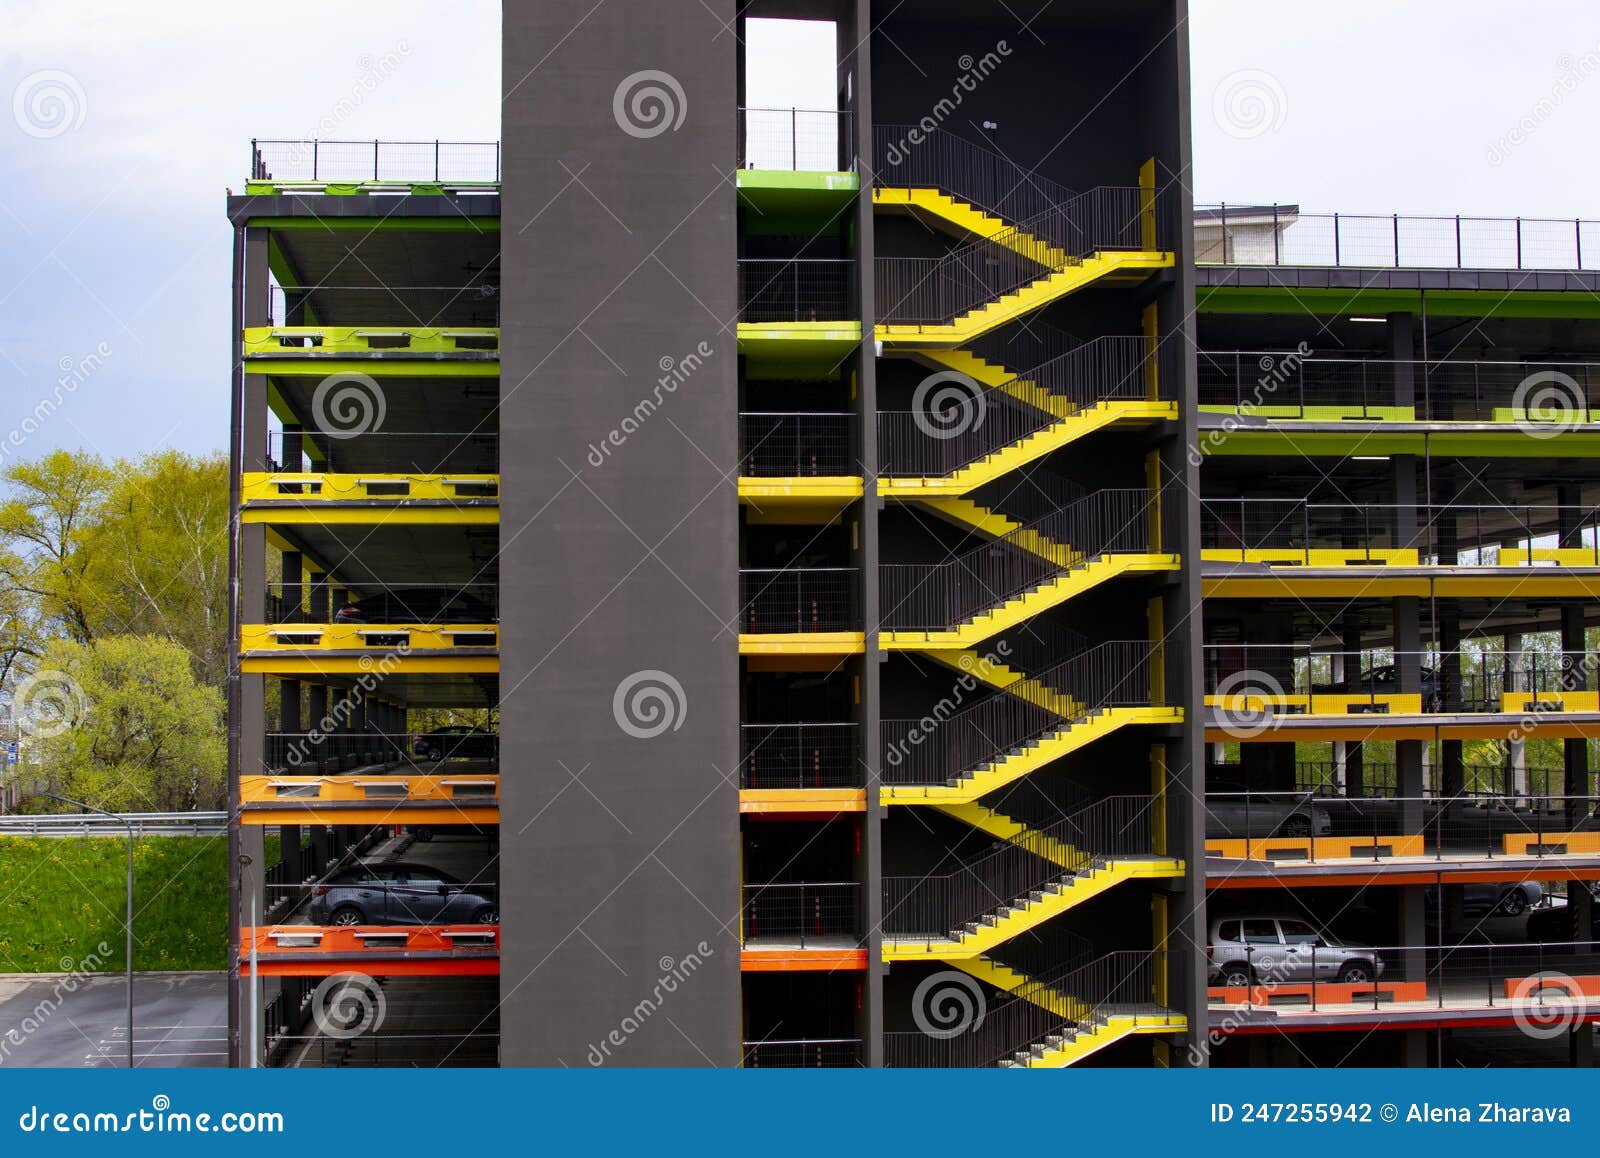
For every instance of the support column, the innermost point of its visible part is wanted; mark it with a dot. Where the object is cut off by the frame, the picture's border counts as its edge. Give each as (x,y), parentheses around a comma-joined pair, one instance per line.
(1354,774)
(1516,750)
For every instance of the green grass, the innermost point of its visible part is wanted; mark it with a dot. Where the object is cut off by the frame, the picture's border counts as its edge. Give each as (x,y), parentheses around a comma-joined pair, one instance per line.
(62,898)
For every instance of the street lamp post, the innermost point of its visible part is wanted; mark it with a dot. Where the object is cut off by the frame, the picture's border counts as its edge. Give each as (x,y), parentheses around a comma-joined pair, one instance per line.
(127,922)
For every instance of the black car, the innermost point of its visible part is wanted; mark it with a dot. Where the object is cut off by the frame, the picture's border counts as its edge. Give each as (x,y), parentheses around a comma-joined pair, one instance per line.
(457,741)
(401,894)
(1385,681)
(417,605)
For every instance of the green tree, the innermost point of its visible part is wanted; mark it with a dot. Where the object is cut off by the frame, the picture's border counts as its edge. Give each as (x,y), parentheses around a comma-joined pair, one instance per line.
(131,728)
(44,528)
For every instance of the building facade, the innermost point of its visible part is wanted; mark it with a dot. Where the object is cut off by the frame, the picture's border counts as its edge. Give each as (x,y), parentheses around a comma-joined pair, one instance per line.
(732,585)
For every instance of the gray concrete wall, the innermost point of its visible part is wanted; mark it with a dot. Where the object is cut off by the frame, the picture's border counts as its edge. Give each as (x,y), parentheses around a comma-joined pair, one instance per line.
(620,854)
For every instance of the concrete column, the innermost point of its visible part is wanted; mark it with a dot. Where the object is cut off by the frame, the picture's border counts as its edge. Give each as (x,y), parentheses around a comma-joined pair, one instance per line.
(1354,777)
(1516,750)
(1575,752)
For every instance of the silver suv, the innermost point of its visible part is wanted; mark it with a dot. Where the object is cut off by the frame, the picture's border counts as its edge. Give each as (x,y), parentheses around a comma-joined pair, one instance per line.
(1252,950)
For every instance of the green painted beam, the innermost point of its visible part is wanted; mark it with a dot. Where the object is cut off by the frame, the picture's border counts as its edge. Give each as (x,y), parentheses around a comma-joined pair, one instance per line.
(1441,303)
(1512,444)
(398,221)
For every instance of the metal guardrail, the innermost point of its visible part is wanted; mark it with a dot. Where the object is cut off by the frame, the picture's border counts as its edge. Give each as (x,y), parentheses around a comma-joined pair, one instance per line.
(910,156)
(801,914)
(960,741)
(804,1053)
(799,599)
(398,162)
(386,452)
(93,824)
(797,140)
(797,289)
(776,756)
(1455,826)
(1395,240)
(940,441)
(942,596)
(1285,383)
(797,445)
(473,305)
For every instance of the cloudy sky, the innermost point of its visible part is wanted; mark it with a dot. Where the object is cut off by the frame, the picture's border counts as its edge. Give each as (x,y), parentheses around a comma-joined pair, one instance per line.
(130,120)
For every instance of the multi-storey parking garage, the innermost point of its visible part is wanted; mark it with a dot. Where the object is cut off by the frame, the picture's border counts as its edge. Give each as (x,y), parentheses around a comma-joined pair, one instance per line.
(922,616)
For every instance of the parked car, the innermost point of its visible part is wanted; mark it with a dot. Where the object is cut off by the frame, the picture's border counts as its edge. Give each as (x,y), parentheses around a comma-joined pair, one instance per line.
(417,605)
(1265,814)
(1385,680)
(401,894)
(456,742)
(1554,922)
(1507,898)
(1245,950)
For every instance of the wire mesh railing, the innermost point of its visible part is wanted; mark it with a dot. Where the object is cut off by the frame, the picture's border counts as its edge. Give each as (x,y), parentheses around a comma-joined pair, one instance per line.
(475,304)
(944,905)
(797,140)
(958,429)
(801,915)
(941,290)
(1015,1030)
(797,445)
(797,289)
(1451,534)
(942,596)
(952,742)
(783,600)
(399,602)
(1293,384)
(385,162)
(804,1053)
(1468,826)
(1395,240)
(909,156)
(801,756)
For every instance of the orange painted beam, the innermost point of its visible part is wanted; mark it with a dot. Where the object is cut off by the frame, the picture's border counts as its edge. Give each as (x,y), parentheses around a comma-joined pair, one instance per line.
(1421,877)
(377,950)
(801,960)
(1325,847)
(1577,988)
(1325,993)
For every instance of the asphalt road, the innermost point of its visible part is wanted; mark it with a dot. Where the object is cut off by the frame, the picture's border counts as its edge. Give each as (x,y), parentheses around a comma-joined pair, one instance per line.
(180,1021)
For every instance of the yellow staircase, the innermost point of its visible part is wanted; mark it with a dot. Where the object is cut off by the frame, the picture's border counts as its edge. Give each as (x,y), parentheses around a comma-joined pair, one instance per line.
(1075,1043)
(997,377)
(969,516)
(963,219)
(996,823)
(1007,679)
(1055,284)
(991,930)
(1028,450)
(1008,980)
(1023,607)
(1014,766)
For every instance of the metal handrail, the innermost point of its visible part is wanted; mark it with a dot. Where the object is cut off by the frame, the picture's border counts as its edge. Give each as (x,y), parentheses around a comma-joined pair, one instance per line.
(409,162)
(818,140)
(976,174)
(1396,240)
(944,595)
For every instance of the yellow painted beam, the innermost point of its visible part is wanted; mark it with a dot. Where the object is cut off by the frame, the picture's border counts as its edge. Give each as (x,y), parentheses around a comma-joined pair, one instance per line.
(392,341)
(804,643)
(802,800)
(257,638)
(290,664)
(802,491)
